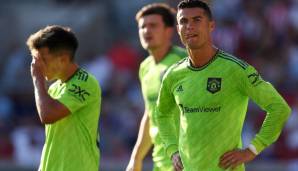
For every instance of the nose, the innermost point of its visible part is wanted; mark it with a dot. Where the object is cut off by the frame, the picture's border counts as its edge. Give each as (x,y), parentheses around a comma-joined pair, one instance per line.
(190,26)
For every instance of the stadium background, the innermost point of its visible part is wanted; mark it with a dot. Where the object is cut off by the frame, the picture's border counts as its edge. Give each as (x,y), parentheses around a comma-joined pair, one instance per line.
(264,33)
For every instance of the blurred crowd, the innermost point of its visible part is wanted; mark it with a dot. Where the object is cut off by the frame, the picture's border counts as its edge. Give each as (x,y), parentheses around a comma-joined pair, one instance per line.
(263,33)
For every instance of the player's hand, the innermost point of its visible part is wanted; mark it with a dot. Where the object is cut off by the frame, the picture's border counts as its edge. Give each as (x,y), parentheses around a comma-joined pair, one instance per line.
(37,67)
(234,158)
(176,160)
(134,165)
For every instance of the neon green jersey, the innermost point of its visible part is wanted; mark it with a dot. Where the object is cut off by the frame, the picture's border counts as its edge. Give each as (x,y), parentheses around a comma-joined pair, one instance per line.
(71,143)
(150,74)
(213,102)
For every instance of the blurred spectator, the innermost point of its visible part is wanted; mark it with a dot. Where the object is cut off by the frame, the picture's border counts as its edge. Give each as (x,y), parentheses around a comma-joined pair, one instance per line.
(101,67)
(124,57)
(27,139)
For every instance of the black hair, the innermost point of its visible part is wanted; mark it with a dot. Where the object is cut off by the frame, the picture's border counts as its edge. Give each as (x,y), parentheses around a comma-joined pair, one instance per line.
(196,4)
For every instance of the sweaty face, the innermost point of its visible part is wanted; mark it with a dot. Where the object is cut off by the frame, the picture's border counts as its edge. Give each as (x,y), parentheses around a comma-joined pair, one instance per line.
(51,63)
(152,31)
(194,27)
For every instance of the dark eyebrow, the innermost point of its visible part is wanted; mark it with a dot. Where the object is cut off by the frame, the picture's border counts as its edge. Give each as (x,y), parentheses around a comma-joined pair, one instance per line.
(197,17)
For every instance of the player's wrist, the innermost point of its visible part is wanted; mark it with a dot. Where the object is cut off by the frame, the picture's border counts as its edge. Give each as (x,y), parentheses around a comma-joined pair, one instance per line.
(252,149)
(137,157)
(39,81)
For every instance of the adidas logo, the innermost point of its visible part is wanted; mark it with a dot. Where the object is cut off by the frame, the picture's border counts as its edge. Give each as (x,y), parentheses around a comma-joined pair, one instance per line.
(179,89)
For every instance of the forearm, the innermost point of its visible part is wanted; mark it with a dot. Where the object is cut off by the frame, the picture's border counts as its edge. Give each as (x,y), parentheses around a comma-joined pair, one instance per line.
(49,109)
(144,142)
(277,114)
(167,113)
(167,130)
(41,96)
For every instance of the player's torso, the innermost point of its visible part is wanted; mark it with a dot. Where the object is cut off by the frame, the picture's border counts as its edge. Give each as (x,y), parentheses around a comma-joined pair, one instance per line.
(76,133)
(211,107)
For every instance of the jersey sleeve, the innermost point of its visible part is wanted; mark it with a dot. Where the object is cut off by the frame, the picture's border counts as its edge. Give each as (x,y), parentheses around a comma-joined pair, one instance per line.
(265,96)
(76,95)
(165,117)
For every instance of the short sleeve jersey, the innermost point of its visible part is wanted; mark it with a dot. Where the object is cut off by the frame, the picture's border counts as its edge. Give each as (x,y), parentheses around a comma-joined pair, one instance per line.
(71,143)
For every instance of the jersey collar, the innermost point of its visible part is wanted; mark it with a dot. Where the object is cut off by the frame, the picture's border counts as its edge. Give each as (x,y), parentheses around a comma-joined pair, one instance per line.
(190,66)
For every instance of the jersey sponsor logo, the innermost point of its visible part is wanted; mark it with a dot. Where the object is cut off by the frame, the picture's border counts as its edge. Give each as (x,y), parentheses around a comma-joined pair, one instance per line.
(82,75)
(254,79)
(78,92)
(213,85)
(179,89)
(200,109)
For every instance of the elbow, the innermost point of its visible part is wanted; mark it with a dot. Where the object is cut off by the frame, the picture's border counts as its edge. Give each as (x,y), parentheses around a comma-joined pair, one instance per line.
(287,111)
(45,119)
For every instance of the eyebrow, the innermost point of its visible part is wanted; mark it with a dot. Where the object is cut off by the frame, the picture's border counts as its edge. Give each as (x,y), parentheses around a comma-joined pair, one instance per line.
(197,17)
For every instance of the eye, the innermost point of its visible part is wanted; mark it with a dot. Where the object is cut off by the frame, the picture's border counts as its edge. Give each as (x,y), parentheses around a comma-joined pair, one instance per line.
(197,19)
(141,26)
(183,21)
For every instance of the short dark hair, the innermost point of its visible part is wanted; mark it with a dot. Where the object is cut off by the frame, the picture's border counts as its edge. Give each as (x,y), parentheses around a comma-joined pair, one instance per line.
(196,4)
(56,38)
(167,13)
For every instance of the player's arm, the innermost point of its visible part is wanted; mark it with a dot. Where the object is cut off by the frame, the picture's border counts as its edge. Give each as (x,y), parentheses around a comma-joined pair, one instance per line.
(142,146)
(165,118)
(277,113)
(277,109)
(49,110)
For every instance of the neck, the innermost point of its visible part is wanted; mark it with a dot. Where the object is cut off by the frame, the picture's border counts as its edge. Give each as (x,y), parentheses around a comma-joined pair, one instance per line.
(160,53)
(68,72)
(201,56)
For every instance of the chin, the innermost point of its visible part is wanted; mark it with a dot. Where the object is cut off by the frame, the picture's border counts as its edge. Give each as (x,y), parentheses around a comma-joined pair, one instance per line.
(193,46)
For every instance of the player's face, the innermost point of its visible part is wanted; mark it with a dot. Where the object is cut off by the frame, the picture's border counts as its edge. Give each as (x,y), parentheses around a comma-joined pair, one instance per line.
(152,31)
(51,63)
(194,27)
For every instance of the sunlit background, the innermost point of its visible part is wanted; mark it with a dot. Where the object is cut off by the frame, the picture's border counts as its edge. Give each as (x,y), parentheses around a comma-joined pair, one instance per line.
(264,33)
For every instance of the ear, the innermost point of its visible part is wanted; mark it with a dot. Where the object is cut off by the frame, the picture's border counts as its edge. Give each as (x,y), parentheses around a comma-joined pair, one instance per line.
(64,56)
(170,32)
(178,30)
(211,26)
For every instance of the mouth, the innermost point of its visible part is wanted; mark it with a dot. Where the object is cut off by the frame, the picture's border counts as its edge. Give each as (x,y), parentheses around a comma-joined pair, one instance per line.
(190,36)
(148,38)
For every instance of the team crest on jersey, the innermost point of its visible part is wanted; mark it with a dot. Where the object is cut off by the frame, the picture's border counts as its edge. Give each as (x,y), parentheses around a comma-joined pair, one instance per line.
(214,85)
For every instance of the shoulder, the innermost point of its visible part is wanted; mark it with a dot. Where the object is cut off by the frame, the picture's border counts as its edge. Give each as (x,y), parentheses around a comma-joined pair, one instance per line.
(232,61)
(54,86)
(240,67)
(145,64)
(84,79)
(177,67)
